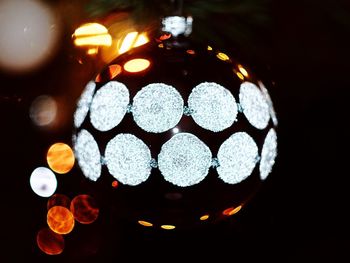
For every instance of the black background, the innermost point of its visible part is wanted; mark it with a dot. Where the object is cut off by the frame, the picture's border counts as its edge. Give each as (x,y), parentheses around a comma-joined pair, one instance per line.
(300,213)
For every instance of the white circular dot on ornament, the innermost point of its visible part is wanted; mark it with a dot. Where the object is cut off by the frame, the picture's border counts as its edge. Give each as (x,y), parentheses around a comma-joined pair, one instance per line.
(254,105)
(83,104)
(237,157)
(109,106)
(184,160)
(88,155)
(157,107)
(269,102)
(128,159)
(268,154)
(213,107)
(43,182)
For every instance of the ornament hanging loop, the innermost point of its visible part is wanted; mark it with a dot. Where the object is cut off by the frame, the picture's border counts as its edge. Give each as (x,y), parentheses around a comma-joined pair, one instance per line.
(178,7)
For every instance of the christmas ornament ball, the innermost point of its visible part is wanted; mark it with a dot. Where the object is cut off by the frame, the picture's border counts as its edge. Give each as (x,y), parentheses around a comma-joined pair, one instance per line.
(188,133)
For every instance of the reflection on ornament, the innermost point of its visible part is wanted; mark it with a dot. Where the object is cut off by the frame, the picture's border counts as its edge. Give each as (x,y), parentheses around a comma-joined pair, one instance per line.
(28,34)
(188,120)
(43,182)
(50,242)
(58,200)
(43,110)
(84,209)
(60,220)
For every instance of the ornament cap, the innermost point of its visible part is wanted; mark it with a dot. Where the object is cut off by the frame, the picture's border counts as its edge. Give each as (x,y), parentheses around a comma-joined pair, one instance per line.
(177,25)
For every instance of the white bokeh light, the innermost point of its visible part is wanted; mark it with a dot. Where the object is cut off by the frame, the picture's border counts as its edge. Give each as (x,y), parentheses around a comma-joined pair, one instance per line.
(184,160)
(237,158)
(43,182)
(157,107)
(128,159)
(88,155)
(84,104)
(254,105)
(268,154)
(29,30)
(109,106)
(214,107)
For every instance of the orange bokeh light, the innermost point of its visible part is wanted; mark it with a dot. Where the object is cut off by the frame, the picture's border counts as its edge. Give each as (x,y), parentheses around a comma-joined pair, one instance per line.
(60,158)
(243,71)
(50,242)
(60,220)
(231,210)
(58,200)
(84,209)
(164,37)
(136,65)
(190,51)
(145,223)
(115,184)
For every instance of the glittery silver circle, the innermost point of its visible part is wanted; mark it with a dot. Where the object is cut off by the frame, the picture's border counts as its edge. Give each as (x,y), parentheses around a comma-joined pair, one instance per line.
(128,159)
(269,102)
(157,107)
(237,157)
(254,105)
(88,155)
(109,106)
(83,104)
(184,160)
(214,107)
(268,154)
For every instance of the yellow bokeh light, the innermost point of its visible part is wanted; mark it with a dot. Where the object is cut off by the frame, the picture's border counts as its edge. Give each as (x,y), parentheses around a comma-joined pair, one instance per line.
(128,41)
(60,158)
(243,71)
(204,217)
(141,40)
(136,65)
(90,29)
(145,223)
(98,40)
(168,227)
(222,56)
(92,34)
(131,40)
(92,51)
(239,75)
(209,48)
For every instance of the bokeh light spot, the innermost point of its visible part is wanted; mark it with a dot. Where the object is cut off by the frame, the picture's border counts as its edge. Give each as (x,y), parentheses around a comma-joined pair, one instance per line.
(84,209)
(60,158)
(168,227)
(92,34)
(43,110)
(43,182)
(58,200)
(165,36)
(145,223)
(60,220)
(239,75)
(115,184)
(204,217)
(136,65)
(209,48)
(243,71)
(112,71)
(222,56)
(190,51)
(50,242)
(231,210)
